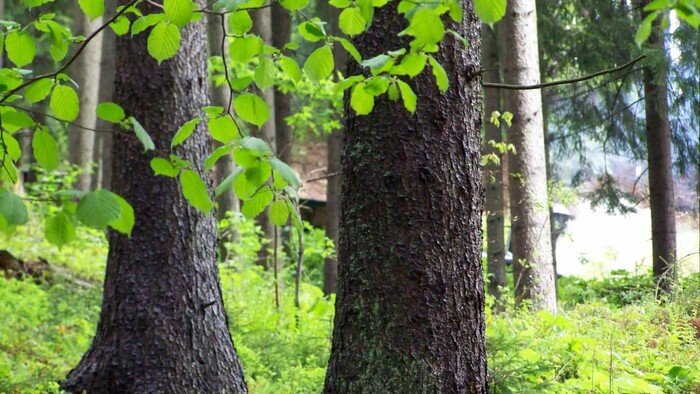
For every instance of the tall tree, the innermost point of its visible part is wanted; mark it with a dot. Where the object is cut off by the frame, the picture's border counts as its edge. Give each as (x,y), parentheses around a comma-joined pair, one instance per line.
(409,310)
(532,251)
(262,26)
(493,174)
(661,197)
(86,72)
(282,20)
(163,327)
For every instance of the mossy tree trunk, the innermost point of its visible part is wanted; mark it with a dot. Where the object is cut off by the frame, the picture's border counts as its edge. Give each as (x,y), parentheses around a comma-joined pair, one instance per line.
(163,327)
(410,302)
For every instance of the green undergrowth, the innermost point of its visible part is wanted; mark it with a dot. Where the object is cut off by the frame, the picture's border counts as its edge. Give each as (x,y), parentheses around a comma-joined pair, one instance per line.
(610,335)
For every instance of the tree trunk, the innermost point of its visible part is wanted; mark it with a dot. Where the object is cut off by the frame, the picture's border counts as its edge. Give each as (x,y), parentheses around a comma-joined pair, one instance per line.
(281,20)
(86,73)
(163,327)
(334,143)
(531,234)
(220,96)
(661,199)
(103,140)
(262,25)
(409,313)
(493,196)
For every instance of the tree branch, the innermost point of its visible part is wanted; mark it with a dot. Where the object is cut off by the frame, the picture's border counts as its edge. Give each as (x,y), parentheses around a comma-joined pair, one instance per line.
(492,85)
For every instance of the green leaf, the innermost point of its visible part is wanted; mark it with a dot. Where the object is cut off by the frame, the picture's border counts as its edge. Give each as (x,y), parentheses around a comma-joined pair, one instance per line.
(243,49)
(440,74)
(64,103)
(311,31)
(291,68)
(351,21)
(45,150)
(257,203)
(293,5)
(350,48)
(251,108)
(644,30)
(222,128)
(11,145)
(393,92)
(490,11)
(361,101)
(195,191)
(12,208)
(178,12)
(163,41)
(285,171)
(110,112)
(242,186)
(120,26)
(59,229)
(409,98)
(15,120)
(125,223)
(427,28)
(59,40)
(97,209)
(320,64)
(92,8)
(279,213)
(20,48)
(164,167)
(184,132)
(245,158)
(377,85)
(258,146)
(340,3)
(239,23)
(218,153)
(227,182)
(142,134)
(265,73)
(376,62)
(38,90)
(411,65)
(145,22)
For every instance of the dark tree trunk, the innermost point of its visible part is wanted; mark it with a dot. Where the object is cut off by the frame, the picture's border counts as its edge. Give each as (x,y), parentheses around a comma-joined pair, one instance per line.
(409,313)
(333,190)
(493,196)
(163,327)
(281,20)
(661,198)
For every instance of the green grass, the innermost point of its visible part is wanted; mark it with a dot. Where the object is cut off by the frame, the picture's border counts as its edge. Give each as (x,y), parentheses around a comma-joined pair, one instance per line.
(610,333)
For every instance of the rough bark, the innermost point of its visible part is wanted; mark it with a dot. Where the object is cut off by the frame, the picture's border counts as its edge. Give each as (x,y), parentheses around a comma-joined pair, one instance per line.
(531,233)
(493,196)
(262,25)
(103,140)
(85,72)
(409,310)
(220,96)
(661,196)
(163,327)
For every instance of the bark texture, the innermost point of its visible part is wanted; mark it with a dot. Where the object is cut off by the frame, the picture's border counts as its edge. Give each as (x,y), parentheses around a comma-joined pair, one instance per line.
(493,174)
(163,327)
(531,233)
(86,73)
(281,20)
(661,196)
(409,313)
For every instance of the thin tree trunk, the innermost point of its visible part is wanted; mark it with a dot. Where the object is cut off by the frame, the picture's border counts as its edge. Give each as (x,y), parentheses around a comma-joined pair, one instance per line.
(409,313)
(281,20)
(227,201)
(493,201)
(262,25)
(163,327)
(531,233)
(661,197)
(335,145)
(103,142)
(86,73)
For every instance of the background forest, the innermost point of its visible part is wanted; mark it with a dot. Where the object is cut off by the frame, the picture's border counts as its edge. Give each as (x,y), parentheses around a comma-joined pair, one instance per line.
(348,152)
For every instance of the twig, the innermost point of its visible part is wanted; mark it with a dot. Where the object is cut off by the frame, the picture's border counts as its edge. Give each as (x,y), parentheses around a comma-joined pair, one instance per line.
(318,178)
(72,58)
(493,85)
